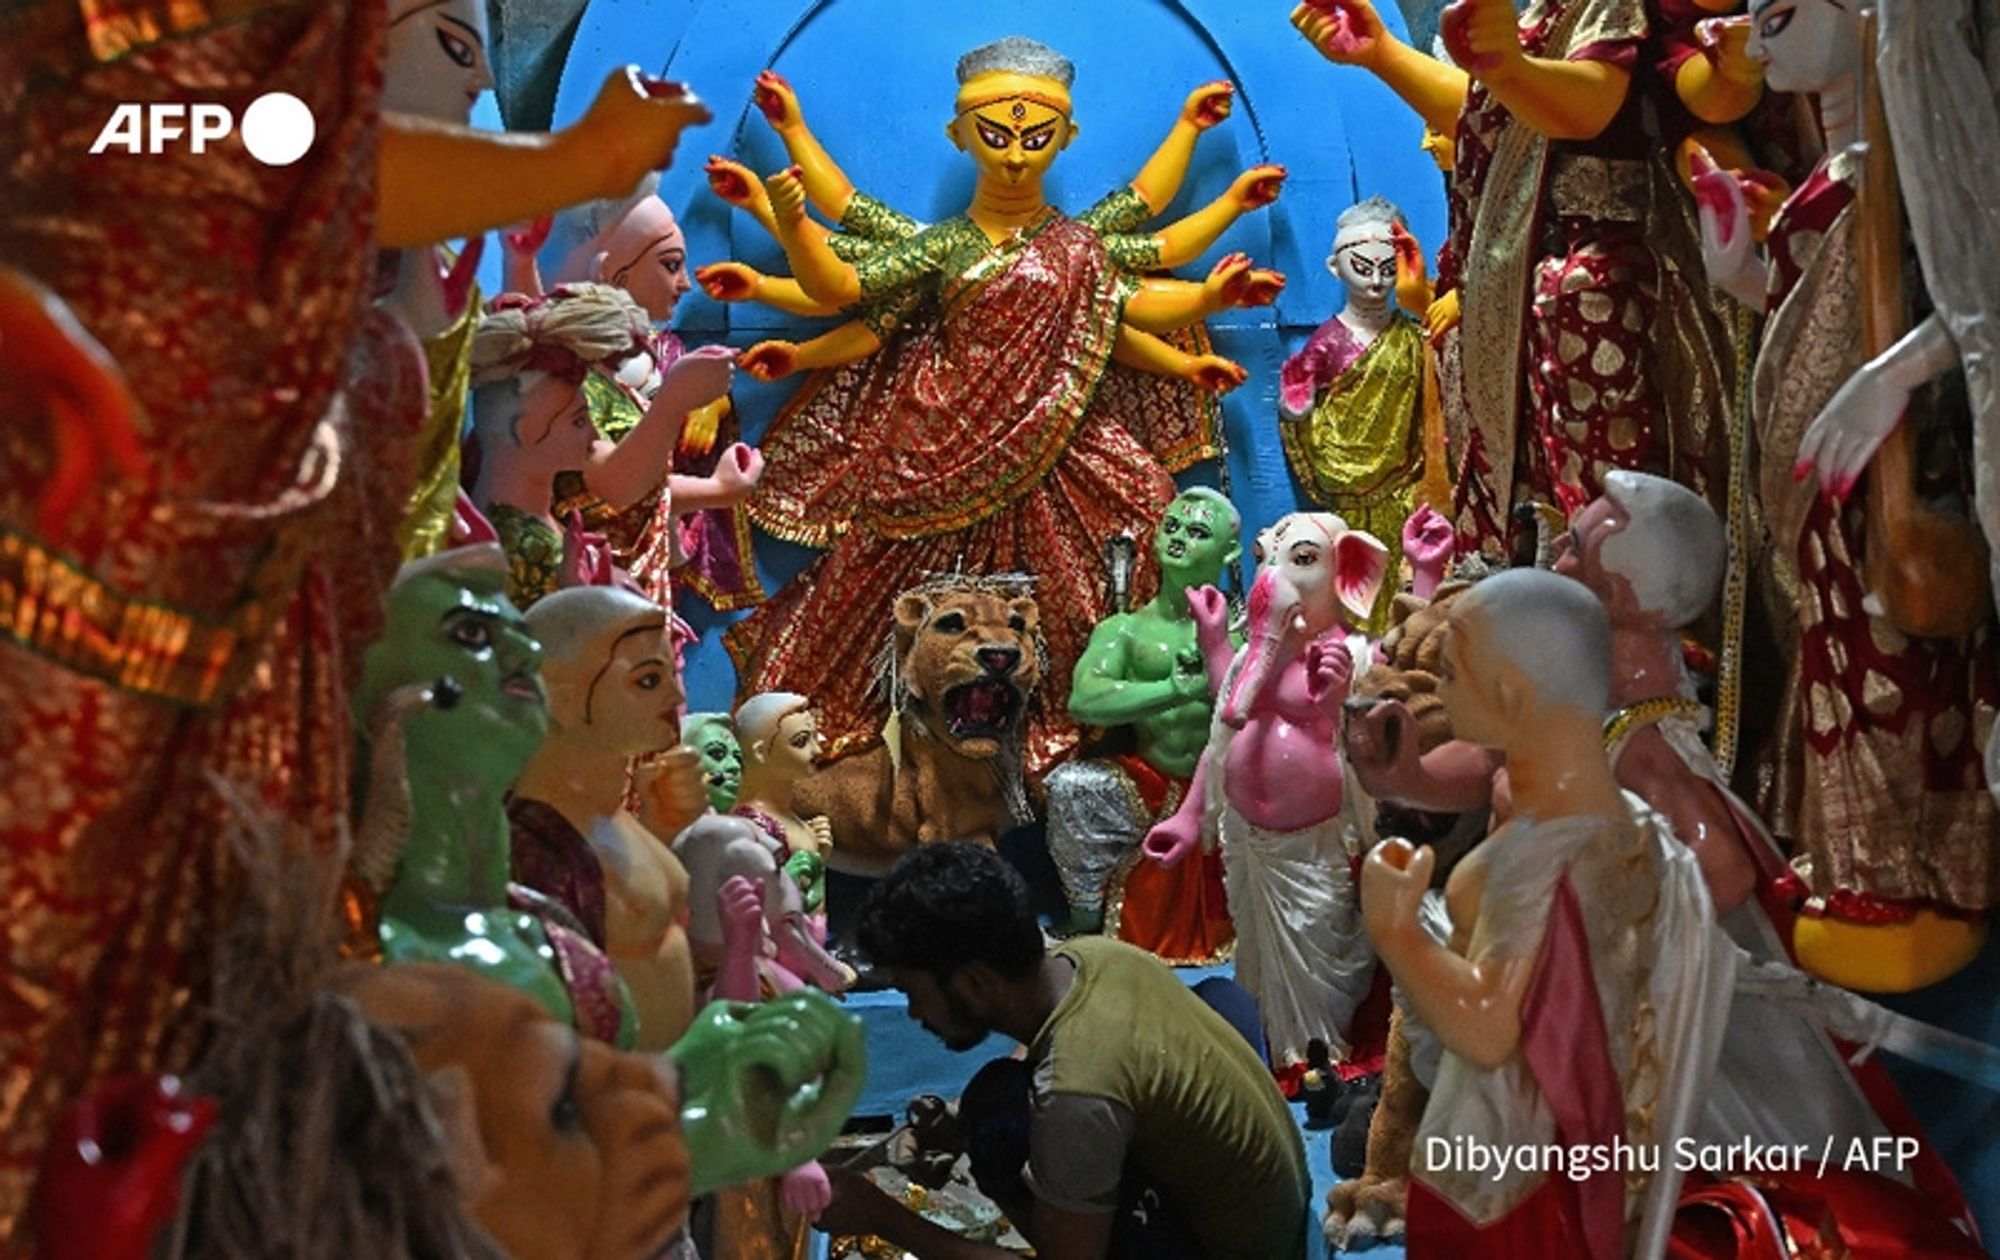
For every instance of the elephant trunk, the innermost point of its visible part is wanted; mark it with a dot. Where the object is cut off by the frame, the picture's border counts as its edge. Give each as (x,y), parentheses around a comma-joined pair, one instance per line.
(1274,619)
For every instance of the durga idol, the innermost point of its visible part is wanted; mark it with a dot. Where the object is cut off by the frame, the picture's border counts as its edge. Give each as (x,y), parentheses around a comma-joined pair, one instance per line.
(977,411)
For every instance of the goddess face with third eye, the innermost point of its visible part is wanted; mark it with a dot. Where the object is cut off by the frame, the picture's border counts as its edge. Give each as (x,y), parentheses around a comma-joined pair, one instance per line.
(1013,142)
(1367,266)
(634,701)
(436,65)
(1805,45)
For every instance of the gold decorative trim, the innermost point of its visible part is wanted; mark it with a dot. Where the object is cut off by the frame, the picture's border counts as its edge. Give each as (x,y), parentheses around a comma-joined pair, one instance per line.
(54,609)
(1646,713)
(1736,578)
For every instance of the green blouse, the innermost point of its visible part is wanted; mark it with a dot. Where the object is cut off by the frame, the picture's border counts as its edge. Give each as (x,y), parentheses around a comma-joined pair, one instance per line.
(894,255)
(534,553)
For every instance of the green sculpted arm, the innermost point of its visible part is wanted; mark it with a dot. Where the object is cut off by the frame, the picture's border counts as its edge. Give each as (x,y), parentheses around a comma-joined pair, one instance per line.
(766,1087)
(1104,693)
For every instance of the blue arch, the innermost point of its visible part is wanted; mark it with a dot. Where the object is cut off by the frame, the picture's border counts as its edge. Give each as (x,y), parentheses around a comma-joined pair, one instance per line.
(875,79)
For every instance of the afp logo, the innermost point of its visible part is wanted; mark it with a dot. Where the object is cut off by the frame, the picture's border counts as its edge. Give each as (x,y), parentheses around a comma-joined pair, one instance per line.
(277,128)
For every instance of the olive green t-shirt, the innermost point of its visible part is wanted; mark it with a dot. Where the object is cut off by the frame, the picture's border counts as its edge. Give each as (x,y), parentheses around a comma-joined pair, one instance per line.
(1131,1052)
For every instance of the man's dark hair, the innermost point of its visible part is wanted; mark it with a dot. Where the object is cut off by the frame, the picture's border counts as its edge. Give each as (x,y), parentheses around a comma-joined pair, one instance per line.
(946,904)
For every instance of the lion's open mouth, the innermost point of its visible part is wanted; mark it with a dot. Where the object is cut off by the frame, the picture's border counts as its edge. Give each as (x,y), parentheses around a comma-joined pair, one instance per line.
(983,709)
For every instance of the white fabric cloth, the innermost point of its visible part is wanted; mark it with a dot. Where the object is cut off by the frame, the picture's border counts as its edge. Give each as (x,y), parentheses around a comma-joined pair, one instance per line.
(1780,1081)
(1663,976)
(1300,948)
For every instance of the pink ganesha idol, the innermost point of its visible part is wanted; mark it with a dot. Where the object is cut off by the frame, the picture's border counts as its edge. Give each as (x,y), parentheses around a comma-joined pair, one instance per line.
(1271,781)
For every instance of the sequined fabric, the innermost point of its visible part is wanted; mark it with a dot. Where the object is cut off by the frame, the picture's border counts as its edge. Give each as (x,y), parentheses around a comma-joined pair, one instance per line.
(986,435)
(279,416)
(1595,405)
(426,528)
(708,552)
(597,997)
(1351,432)
(1583,346)
(550,857)
(534,553)
(1099,811)
(1880,744)
(1095,818)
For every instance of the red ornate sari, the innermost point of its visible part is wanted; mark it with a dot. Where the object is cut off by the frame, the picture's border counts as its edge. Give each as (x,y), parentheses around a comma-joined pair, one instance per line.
(229,588)
(990,433)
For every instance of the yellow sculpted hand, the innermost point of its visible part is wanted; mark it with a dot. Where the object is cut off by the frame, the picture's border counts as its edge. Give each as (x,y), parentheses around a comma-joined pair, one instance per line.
(787,190)
(1259,186)
(1208,104)
(1726,44)
(770,360)
(729,281)
(778,102)
(1441,316)
(635,124)
(1484,36)
(733,182)
(1235,282)
(1211,373)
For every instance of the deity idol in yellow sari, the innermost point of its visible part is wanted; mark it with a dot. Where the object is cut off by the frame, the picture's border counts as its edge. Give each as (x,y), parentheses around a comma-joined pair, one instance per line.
(977,412)
(1350,400)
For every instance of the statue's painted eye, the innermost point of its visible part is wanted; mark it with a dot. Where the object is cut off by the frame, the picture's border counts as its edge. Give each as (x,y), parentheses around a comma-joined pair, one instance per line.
(950,623)
(648,681)
(1776,23)
(566,1116)
(1039,141)
(1017,623)
(993,136)
(457,49)
(1306,557)
(472,632)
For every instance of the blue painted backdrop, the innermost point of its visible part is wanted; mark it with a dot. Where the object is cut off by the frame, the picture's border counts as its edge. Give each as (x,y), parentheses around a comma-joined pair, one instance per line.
(875,79)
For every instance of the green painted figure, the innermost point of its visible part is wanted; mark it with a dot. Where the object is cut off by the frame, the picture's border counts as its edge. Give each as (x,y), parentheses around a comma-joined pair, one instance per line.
(713,738)
(762,1087)
(451,628)
(1144,670)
